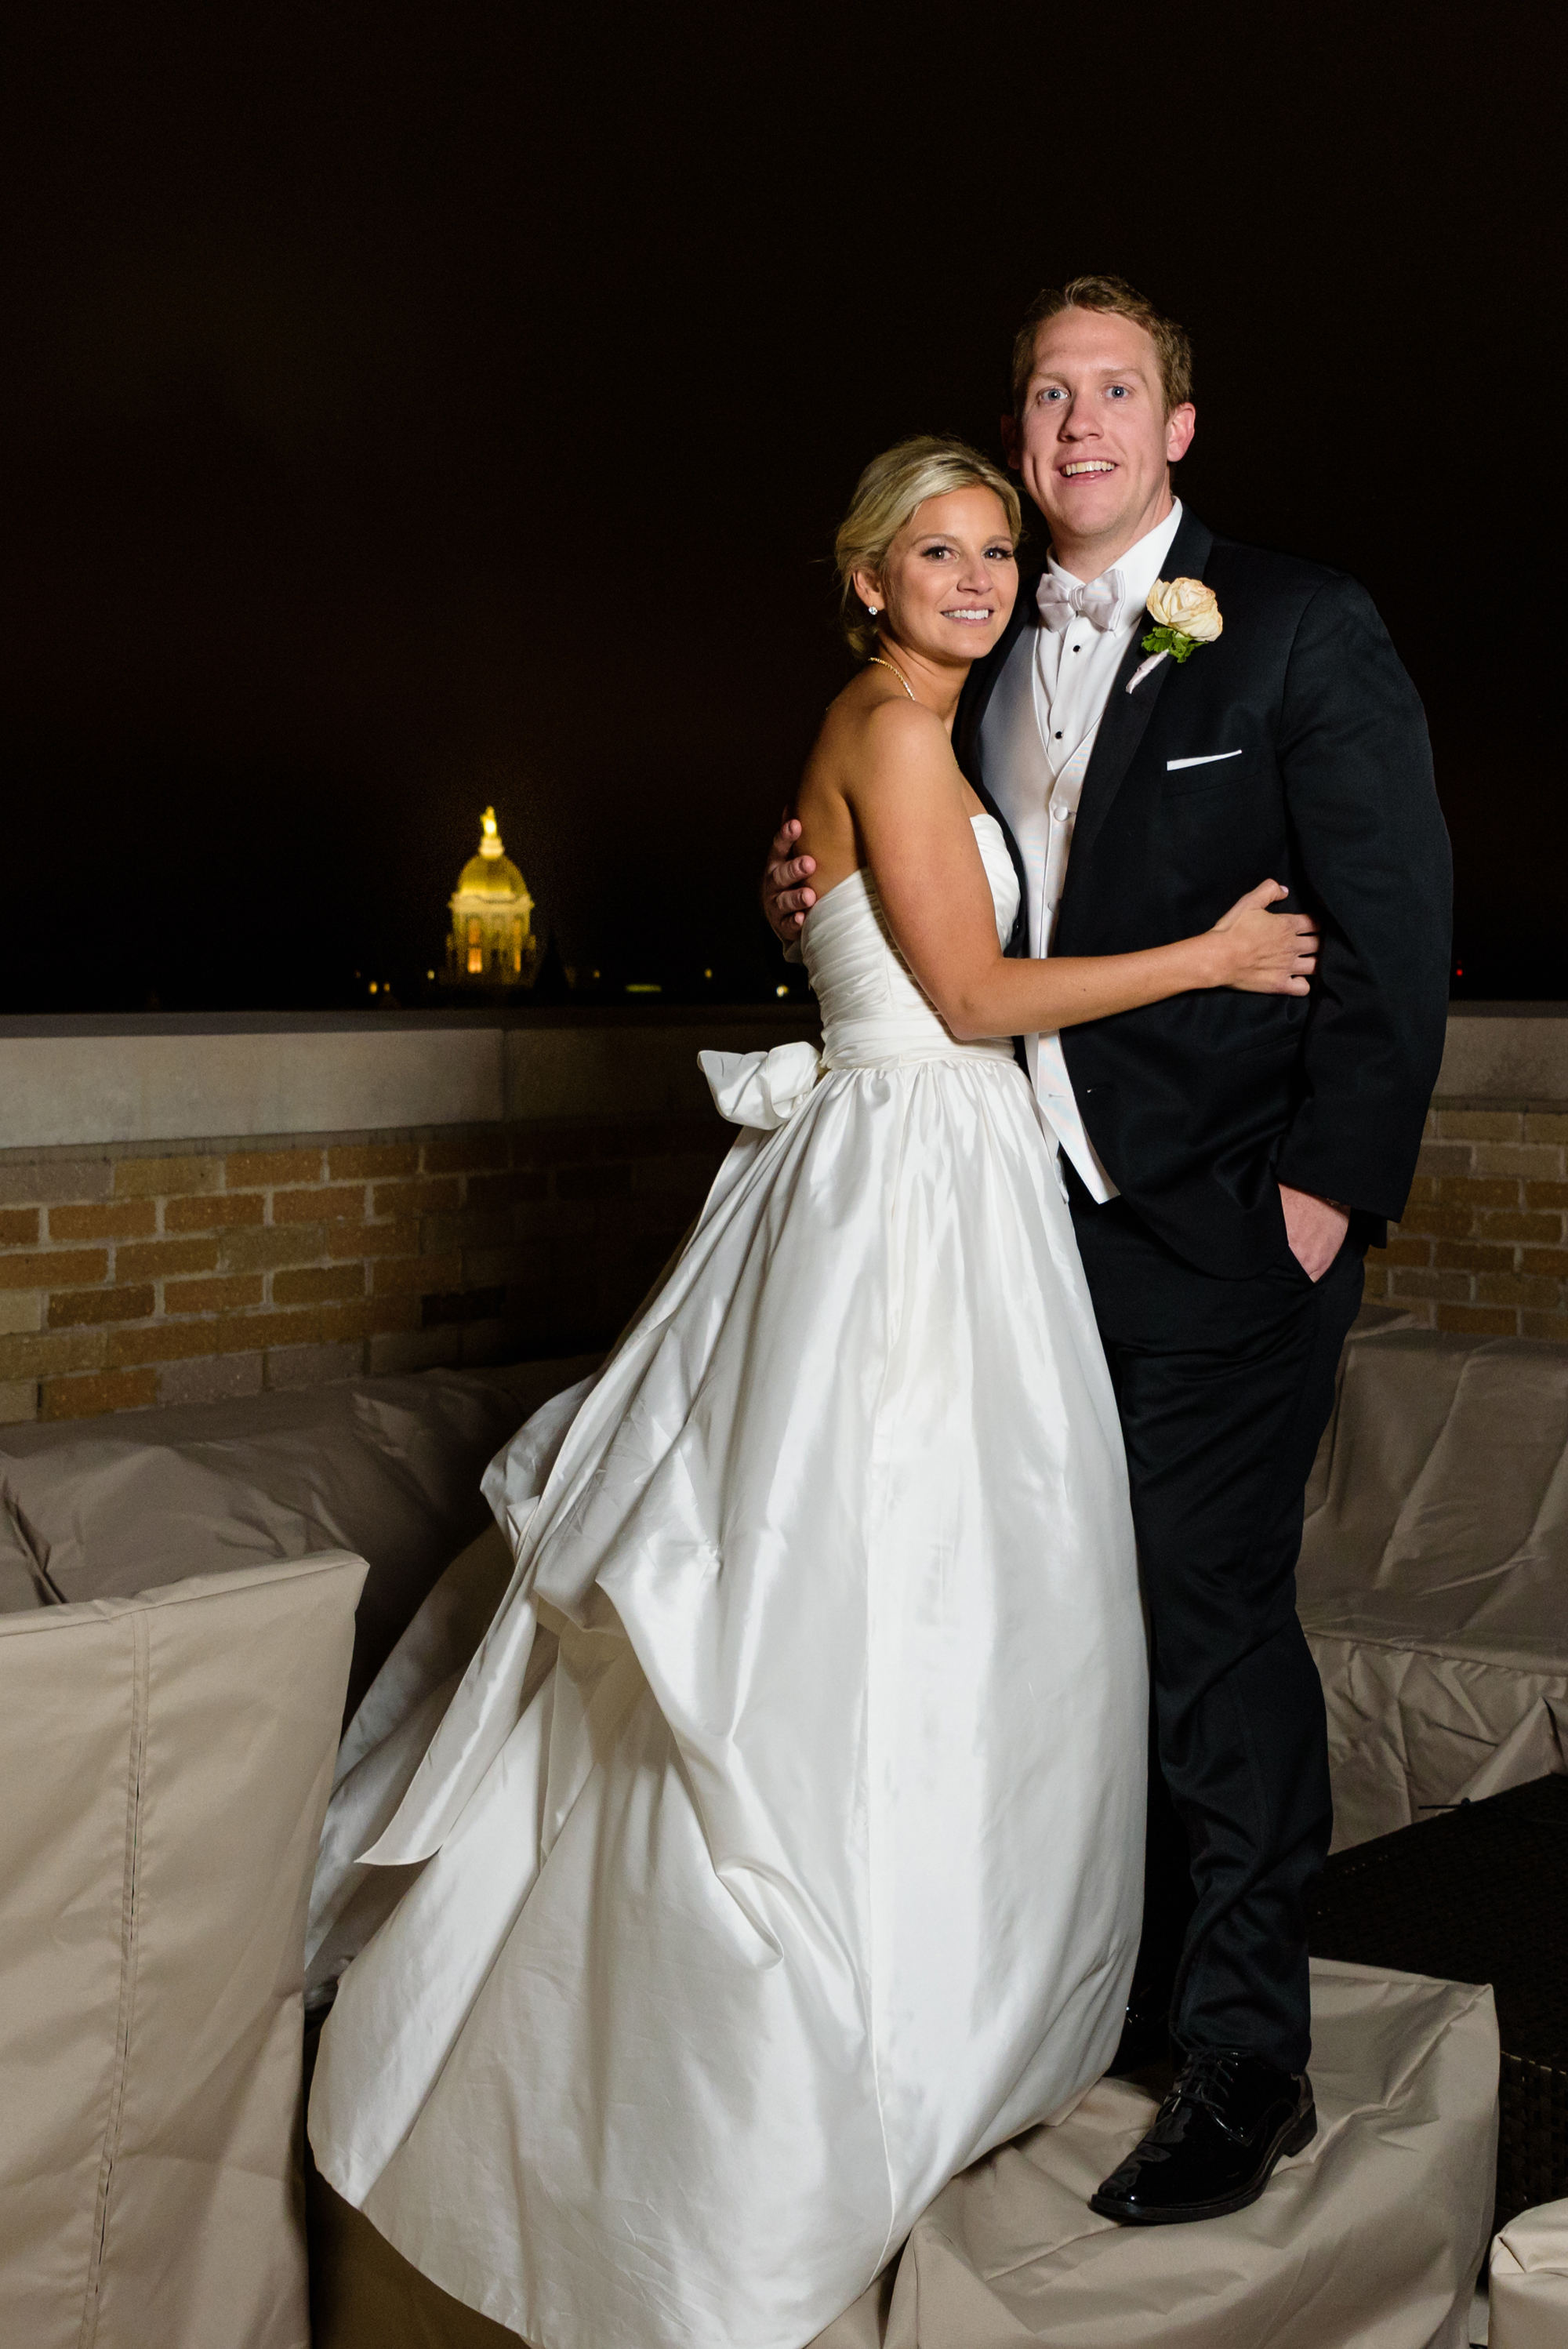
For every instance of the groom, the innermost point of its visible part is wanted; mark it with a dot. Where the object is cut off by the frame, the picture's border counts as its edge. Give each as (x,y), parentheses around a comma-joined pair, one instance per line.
(1228,1158)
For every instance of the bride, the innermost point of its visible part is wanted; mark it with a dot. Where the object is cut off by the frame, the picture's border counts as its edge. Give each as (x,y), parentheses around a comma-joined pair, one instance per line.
(784,1836)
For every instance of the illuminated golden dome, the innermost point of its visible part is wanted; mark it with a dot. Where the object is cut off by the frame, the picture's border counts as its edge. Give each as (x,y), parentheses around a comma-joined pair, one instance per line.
(491,874)
(492,939)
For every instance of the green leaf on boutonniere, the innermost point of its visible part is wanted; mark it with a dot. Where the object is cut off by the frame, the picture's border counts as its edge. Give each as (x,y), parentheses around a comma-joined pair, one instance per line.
(1171,641)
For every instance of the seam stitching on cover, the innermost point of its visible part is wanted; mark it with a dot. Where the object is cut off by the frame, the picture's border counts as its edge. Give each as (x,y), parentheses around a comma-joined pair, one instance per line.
(128,1946)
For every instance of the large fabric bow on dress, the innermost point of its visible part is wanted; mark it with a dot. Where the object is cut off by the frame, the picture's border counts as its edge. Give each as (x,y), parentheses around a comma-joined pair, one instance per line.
(761,1089)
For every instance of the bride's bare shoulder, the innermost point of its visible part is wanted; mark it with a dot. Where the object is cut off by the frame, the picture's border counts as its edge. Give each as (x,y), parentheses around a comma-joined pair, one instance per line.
(885,746)
(868,725)
(879,758)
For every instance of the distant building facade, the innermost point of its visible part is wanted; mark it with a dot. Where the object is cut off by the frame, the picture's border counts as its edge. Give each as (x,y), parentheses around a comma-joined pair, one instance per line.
(492,942)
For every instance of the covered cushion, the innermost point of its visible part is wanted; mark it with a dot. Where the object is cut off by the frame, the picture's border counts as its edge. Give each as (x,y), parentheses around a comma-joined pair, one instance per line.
(386,1467)
(1371,2239)
(166,1762)
(1529,2306)
(1433,1580)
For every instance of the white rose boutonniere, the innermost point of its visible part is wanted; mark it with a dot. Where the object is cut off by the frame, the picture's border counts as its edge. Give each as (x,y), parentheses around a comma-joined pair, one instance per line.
(1187,615)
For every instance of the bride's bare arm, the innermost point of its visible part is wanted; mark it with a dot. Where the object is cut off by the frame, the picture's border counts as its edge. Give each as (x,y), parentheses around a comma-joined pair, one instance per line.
(907,797)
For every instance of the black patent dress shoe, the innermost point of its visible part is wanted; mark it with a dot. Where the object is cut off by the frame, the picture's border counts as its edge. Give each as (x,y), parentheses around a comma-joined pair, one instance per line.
(1218,2134)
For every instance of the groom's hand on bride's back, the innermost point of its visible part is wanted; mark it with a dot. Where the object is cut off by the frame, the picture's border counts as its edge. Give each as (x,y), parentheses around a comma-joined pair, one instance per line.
(786,901)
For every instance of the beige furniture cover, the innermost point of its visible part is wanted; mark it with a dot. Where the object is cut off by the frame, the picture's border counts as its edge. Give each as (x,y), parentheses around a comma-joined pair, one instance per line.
(1530,2281)
(166,1761)
(386,1467)
(1370,2240)
(1433,1581)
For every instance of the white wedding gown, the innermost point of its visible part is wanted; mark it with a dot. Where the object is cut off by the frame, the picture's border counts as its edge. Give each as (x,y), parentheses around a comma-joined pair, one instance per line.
(807,1867)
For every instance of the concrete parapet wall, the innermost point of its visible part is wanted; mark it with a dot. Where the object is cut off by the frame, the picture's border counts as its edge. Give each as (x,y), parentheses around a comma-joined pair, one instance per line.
(159,1077)
(1506,1051)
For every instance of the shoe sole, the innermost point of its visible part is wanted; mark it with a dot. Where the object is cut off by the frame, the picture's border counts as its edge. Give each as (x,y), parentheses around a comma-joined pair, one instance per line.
(1294,2138)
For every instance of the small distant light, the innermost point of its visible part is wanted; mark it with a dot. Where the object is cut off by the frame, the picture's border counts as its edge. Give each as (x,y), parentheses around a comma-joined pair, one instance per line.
(641,986)
(429,974)
(708,974)
(595,974)
(780,991)
(1460,971)
(373,987)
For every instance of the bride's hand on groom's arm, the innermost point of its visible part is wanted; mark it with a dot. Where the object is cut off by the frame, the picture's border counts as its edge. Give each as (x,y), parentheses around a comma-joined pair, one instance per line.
(786,898)
(1264,953)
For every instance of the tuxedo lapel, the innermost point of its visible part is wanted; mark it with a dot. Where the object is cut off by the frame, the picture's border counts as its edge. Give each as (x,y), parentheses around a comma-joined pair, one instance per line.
(981,684)
(1128,714)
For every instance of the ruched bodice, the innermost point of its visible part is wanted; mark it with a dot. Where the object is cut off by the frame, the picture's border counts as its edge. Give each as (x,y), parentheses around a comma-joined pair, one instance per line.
(874,1011)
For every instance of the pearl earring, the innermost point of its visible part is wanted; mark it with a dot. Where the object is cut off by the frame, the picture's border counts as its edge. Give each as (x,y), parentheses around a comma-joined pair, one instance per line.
(873,610)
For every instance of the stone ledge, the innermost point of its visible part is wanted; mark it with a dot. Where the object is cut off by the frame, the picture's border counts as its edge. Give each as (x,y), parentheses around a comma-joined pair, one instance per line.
(70,1084)
(1506,1050)
(144,1081)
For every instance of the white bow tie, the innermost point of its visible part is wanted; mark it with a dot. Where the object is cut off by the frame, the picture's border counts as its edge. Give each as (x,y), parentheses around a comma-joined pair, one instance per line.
(1098,602)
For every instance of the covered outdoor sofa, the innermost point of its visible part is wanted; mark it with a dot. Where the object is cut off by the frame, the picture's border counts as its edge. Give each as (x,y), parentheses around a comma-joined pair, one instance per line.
(189,1600)
(181,1583)
(1433,1579)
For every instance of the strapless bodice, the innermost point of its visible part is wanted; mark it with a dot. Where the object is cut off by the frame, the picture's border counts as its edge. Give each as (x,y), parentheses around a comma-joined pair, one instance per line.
(873,1009)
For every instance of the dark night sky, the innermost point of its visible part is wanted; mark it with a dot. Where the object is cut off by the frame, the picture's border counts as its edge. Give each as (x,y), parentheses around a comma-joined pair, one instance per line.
(406,407)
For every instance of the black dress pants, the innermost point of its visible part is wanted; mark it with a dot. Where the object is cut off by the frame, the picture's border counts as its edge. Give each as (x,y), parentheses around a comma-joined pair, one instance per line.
(1224,1388)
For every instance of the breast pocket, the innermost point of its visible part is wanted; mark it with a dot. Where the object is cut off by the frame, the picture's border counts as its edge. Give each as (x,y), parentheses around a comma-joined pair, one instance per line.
(1207,770)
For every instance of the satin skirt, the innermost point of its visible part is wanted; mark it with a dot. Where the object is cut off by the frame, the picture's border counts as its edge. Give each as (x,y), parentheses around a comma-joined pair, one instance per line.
(787,1831)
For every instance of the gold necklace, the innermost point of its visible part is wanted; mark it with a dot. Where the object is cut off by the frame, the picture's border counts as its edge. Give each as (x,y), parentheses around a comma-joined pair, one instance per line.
(875,660)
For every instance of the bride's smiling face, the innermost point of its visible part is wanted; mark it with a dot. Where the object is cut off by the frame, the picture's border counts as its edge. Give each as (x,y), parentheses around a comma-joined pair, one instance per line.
(948,580)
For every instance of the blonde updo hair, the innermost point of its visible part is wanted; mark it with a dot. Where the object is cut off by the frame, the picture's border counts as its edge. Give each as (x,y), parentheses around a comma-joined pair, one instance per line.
(886,497)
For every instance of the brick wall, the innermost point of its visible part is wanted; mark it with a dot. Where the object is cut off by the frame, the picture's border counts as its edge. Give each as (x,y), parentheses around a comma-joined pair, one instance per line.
(1482,1245)
(134,1275)
(137,1275)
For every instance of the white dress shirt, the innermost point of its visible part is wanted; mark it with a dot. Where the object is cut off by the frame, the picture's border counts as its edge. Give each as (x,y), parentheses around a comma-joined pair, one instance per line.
(1035,740)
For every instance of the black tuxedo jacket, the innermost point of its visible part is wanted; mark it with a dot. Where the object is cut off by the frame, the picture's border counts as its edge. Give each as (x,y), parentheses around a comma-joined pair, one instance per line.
(1201,1106)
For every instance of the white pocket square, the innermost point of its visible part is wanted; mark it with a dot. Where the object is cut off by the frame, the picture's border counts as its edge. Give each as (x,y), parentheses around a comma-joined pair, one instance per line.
(1204,759)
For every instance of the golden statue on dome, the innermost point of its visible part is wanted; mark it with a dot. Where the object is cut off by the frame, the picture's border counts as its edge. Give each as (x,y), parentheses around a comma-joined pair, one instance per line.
(492,942)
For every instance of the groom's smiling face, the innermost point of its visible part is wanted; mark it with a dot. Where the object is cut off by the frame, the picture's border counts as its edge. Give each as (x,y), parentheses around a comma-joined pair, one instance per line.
(1092,438)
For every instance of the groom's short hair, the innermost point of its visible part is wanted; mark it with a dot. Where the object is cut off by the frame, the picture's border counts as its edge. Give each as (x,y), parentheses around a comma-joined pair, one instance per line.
(1169,340)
